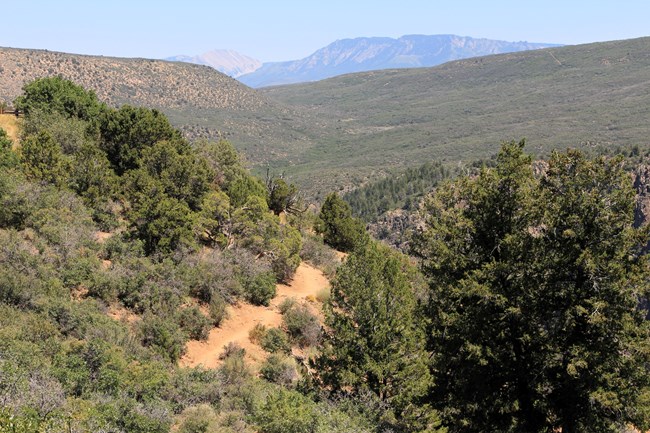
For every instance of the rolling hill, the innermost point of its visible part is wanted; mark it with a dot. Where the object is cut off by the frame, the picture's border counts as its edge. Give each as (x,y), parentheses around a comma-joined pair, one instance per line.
(585,96)
(197,99)
(342,132)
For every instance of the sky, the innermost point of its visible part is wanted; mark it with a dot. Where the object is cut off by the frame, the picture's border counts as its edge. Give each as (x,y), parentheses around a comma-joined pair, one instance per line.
(277,30)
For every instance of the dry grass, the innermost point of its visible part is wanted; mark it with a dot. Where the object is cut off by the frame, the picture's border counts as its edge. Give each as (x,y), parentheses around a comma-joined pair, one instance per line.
(10,124)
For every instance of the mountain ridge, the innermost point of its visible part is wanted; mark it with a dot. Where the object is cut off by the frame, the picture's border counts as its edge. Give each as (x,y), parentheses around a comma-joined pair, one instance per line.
(375,53)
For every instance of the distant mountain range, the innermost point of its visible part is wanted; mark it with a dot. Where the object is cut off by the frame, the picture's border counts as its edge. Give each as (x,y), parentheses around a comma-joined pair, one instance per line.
(356,55)
(227,61)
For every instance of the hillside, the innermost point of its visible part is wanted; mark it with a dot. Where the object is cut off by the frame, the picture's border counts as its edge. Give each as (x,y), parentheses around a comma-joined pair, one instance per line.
(130,259)
(342,132)
(366,54)
(584,96)
(199,100)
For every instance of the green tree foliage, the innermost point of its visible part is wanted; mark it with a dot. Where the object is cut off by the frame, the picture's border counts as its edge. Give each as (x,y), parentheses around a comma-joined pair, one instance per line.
(162,223)
(339,229)
(127,132)
(57,95)
(42,159)
(214,222)
(534,287)
(398,191)
(180,174)
(71,133)
(282,196)
(286,412)
(373,340)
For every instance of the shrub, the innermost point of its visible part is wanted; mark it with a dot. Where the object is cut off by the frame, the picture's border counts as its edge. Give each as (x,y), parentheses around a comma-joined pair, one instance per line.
(232,349)
(163,336)
(323,295)
(218,310)
(256,335)
(198,419)
(261,289)
(287,304)
(319,255)
(234,369)
(194,323)
(276,340)
(287,412)
(279,369)
(302,325)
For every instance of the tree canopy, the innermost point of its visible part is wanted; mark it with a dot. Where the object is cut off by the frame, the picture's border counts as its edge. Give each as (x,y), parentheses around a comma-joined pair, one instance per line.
(534,288)
(337,225)
(374,341)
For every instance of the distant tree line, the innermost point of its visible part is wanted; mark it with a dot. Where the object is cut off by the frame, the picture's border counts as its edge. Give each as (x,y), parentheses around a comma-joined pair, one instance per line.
(401,191)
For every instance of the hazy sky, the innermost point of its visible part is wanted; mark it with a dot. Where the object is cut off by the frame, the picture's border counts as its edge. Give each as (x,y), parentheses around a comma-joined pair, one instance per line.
(277,30)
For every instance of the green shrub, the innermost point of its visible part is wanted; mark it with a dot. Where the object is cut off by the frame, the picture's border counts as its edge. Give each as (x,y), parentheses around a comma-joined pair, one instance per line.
(234,370)
(287,412)
(275,340)
(320,255)
(261,289)
(194,323)
(198,419)
(256,335)
(287,304)
(279,369)
(163,336)
(232,350)
(218,309)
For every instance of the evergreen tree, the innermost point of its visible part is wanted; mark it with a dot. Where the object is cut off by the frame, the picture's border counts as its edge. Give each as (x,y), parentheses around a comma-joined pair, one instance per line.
(339,229)
(57,95)
(42,158)
(534,286)
(373,341)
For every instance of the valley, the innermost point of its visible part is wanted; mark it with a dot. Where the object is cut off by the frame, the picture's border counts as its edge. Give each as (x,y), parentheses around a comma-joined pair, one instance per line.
(342,132)
(151,282)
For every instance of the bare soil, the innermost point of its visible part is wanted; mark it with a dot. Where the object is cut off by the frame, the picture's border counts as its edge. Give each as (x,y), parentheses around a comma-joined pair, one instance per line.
(305,285)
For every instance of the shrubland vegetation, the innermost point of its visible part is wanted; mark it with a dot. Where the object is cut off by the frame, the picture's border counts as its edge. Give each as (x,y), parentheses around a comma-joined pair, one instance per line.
(111,210)
(520,314)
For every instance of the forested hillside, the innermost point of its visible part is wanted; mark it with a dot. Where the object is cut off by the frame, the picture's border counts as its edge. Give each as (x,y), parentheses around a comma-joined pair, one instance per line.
(520,309)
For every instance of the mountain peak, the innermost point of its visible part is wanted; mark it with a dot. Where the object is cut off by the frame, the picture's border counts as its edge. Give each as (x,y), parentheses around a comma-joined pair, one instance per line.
(229,62)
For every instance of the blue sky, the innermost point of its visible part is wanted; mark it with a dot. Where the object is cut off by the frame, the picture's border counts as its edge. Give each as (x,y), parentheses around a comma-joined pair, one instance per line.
(287,30)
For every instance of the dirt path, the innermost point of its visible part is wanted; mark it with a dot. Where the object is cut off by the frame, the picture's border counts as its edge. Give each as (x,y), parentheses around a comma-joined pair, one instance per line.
(307,282)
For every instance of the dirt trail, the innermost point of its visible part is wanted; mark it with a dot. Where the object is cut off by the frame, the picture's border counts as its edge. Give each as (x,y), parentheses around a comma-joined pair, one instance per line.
(307,282)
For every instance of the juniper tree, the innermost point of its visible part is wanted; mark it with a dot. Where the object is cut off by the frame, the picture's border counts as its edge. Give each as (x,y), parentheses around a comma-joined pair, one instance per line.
(534,285)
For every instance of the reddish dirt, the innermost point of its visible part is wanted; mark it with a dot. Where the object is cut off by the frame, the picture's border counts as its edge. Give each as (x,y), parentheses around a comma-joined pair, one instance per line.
(306,284)
(101,237)
(121,314)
